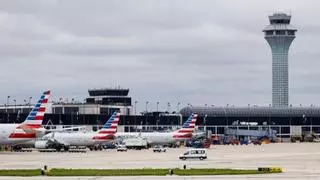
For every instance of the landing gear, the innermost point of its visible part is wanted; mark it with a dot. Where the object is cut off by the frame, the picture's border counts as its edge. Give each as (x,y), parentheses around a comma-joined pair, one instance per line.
(96,148)
(58,148)
(66,148)
(16,148)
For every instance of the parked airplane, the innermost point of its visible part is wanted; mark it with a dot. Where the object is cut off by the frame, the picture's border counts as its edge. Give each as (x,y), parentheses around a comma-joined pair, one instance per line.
(153,138)
(13,134)
(59,140)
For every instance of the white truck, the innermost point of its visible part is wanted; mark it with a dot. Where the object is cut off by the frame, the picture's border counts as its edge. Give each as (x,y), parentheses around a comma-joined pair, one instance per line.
(136,143)
(194,154)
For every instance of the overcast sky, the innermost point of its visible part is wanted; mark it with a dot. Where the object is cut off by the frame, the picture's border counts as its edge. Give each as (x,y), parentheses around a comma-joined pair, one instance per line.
(198,52)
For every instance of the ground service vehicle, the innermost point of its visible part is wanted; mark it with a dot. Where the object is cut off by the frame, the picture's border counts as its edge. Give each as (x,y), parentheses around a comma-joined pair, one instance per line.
(122,148)
(158,148)
(136,143)
(194,154)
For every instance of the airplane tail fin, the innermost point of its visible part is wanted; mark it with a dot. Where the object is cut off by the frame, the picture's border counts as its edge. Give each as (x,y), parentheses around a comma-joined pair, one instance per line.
(110,127)
(189,125)
(35,117)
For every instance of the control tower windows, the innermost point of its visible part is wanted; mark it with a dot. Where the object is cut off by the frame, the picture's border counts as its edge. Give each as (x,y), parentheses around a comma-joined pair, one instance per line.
(269,33)
(291,33)
(280,21)
(280,32)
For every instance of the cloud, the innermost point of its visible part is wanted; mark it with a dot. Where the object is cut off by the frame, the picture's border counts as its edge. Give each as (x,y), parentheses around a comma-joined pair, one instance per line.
(194,52)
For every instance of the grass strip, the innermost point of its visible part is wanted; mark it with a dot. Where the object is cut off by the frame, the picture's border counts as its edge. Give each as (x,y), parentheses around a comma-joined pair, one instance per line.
(20,172)
(133,172)
(200,172)
(108,172)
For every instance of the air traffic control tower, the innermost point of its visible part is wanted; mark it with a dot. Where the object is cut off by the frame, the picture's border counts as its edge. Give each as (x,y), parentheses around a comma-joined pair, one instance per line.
(279,35)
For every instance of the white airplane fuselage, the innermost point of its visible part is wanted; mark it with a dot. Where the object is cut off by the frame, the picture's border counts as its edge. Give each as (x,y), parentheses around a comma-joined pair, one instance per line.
(76,138)
(151,137)
(8,129)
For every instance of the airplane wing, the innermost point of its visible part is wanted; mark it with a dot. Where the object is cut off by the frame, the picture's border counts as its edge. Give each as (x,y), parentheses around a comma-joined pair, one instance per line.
(29,129)
(65,129)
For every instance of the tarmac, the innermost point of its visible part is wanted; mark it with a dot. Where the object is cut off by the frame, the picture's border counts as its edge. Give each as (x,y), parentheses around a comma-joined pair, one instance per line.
(298,160)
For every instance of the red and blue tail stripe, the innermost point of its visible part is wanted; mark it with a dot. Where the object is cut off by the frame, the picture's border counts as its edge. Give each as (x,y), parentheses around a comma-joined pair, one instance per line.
(26,130)
(187,129)
(35,117)
(189,125)
(110,127)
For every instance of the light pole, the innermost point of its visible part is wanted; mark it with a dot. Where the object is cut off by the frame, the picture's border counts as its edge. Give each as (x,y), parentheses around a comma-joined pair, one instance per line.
(168,107)
(290,118)
(178,106)
(205,109)
(8,101)
(30,103)
(15,104)
(205,122)
(225,114)
(205,117)
(71,114)
(84,111)
(135,107)
(269,115)
(60,114)
(147,102)
(158,106)
(135,113)
(147,112)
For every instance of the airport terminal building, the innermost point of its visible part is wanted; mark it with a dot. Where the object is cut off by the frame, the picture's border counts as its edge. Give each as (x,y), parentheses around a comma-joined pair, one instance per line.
(101,103)
(97,109)
(261,115)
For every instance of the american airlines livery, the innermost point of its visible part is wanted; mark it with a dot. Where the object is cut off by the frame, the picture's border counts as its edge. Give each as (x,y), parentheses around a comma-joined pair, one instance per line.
(13,134)
(154,138)
(59,140)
